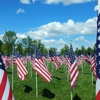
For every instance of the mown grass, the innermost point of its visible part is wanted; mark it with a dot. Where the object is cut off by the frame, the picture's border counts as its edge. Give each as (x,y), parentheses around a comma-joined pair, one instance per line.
(57,89)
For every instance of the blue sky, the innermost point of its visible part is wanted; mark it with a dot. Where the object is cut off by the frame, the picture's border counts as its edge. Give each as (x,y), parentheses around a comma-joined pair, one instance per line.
(54,22)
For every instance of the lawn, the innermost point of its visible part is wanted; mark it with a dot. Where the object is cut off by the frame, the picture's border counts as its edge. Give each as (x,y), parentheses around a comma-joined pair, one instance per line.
(57,89)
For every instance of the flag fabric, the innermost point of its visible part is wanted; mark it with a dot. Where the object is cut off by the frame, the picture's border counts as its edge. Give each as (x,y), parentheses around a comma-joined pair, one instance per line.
(40,67)
(5,89)
(93,63)
(22,71)
(98,57)
(74,73)
(54,59)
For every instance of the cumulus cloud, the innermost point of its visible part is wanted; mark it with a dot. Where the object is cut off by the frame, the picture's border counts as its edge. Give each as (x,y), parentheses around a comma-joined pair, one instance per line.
(66,2)
(80,38)
(51,43)
(70,27)
(96,8)
(20,10)
(25,1)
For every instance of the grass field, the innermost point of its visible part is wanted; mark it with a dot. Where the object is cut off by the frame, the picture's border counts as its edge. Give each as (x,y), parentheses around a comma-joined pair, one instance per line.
(57,89)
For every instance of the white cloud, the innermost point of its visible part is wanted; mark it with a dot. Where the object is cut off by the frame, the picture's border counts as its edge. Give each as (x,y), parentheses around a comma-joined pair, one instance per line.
(20,36)
(54,43)
(81,38)
(55,29)
(20,10)
(25,1)
(66,2)
(34,1)
(96,8)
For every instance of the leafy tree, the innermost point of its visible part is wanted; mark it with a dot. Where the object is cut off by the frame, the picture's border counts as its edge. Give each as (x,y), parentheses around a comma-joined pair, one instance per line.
(1,43)
(27,45)
(64,50)
(19,48)
(9,39)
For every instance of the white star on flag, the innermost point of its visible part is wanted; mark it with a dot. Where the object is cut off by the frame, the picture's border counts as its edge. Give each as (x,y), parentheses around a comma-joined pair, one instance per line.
(99,54)
(98,45)
(99,37)
(98,30)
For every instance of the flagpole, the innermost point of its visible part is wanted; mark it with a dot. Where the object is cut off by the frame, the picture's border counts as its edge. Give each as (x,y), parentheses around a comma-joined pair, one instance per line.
(12,65)
(36,75)
(82,69)
(92,77)
(36,86)
(71,95)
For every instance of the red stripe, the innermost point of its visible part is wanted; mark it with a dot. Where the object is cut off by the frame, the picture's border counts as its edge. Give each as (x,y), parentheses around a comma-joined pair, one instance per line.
(10,94)
(3,85)
(98,96)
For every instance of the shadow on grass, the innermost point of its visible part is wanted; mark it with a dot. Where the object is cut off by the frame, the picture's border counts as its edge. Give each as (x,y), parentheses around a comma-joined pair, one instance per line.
(9,72)
(56,78)
(94,82)
(61,72)
(27,89)
(86,73)
(76,97)
(48,94)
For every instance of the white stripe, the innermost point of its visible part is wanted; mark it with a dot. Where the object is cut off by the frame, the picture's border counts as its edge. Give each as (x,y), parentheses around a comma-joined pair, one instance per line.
(42,70)
(74,70)
(1,75)
(43,75)
(72,65)
(74,79)
(21,67)
(97,85)
(6,92)
(98,6)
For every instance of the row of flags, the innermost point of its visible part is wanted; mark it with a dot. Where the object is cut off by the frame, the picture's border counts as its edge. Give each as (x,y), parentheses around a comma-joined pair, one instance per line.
(39,66)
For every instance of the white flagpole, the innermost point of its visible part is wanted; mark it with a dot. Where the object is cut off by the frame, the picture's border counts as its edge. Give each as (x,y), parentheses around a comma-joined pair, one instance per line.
(82,69)
(12,65)
(92,77)
(71,95)
(36,86)
(36,76)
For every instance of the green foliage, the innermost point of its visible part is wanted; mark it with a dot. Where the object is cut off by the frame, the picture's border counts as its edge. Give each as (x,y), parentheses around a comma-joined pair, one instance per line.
(59,87)
(9,39)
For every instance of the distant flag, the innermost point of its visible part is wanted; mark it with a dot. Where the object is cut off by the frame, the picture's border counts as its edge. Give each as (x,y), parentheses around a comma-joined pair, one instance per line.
(73,68)
(93,63)
(5,89)
(98,55)
(53,57)
(22,71)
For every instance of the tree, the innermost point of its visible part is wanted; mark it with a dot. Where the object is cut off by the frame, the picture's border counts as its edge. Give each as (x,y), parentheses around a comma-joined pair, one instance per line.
(9,39)
(64,50)
(19,48)
(1,43)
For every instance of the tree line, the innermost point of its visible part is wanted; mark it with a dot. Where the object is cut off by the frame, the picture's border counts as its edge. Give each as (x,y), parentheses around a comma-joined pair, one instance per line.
(26,45)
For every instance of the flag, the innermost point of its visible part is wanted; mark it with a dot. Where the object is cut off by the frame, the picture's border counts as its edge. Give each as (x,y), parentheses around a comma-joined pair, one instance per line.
(53,57)
(40,67)
(73,68)
(98,55)
(5,89)
(22,71)
(93,63)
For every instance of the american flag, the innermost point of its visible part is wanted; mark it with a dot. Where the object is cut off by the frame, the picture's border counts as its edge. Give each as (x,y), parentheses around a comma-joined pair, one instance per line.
(53,57)
(98,55)
(93,63)
(5,89)
(74,73)
(22,71)
(40,67)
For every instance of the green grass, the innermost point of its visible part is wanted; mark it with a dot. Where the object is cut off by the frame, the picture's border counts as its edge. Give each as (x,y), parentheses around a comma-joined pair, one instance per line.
(58,88)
